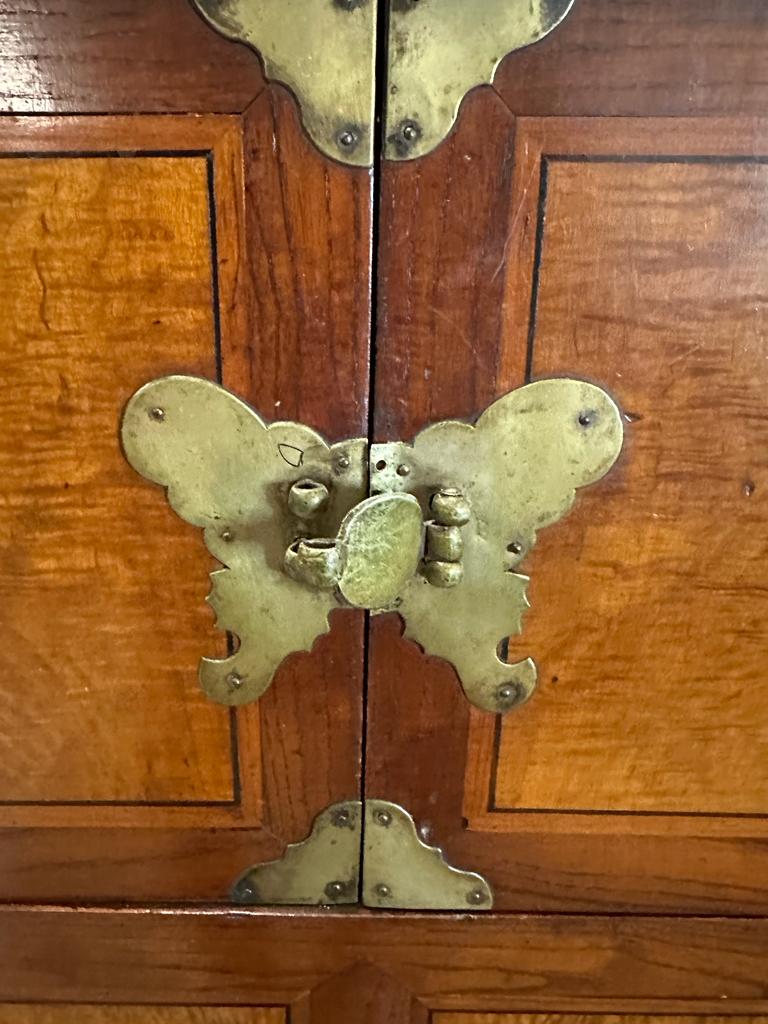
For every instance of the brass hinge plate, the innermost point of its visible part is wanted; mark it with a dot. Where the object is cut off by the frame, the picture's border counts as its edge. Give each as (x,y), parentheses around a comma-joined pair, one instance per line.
(399,870)
(324,51)
(441,49)
(438,50)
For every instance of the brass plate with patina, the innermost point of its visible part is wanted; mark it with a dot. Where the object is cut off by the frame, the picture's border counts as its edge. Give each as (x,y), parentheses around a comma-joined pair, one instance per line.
(434,529)
(369,853)
(518,469)
(324,51)
(440,49)
(323,870)
(228,473)
(402,872)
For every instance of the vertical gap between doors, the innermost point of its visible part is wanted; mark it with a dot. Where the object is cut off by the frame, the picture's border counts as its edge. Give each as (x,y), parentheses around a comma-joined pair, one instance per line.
(379,130)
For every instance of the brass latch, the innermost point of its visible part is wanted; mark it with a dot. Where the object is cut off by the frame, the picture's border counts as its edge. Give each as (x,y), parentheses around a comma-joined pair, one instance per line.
(434,529)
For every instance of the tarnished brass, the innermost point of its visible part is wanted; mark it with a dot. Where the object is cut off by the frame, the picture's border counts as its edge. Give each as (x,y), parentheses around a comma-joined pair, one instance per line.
(288,517)
(375,554)
(228,473)
(444,543)
(514,472)
(440,49)
(324,870)
(381,541)
(306,498)
(324,51)
(315,562)
(401,872)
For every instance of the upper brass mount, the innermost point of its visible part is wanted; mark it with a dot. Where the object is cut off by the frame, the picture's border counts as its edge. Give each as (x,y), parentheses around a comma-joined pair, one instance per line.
(438,50)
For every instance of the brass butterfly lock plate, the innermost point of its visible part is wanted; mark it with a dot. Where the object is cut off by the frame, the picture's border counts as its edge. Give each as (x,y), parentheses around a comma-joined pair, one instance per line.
(434,529)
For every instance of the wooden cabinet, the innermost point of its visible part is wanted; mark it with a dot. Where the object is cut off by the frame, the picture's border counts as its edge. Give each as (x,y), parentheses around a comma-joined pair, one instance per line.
(599,213)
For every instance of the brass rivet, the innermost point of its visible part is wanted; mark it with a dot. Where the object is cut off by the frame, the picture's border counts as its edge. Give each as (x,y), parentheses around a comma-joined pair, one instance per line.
(157,414)
(343,462)
(403,470)
(234,680)
(335,890)
(341,817)
(383,891)
(245,892)
(410,131)
(476,897)
(509,694)
(227,536)
(587,418)
(348,138)
(515,548)
(383,818)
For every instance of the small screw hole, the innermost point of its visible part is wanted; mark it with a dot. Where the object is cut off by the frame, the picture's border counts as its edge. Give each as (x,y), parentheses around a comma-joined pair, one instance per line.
(381,464)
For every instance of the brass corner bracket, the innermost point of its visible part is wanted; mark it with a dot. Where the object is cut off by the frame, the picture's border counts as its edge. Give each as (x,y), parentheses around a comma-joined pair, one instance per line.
(434,529)
(324,51)
(438,50)
(368,854)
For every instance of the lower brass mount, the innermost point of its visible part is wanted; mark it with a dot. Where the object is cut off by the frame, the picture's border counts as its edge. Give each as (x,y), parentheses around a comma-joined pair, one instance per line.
(399,870)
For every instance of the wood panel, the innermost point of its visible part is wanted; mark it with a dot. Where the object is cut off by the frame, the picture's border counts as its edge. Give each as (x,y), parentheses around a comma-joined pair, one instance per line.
(76,56)
(31,1013)
(591,1018)
(651,281)
(694,293)
(414,963)
(284,241)
(107,270)
(654,58)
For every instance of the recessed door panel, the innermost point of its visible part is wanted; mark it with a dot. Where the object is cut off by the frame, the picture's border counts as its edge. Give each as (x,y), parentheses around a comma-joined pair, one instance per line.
(134,245)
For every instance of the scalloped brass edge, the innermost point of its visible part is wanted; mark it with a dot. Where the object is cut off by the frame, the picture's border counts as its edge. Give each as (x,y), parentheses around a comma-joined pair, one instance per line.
(441,49)
(322,870)
(399,870)
(324,51)
(402,872)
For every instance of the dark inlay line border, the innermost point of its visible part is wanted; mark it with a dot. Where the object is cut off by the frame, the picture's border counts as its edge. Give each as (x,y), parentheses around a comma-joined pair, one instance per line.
(208,155)
(597,158)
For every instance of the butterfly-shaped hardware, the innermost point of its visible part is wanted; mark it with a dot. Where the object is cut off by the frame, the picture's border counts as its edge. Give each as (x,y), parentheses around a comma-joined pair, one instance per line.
(433,529)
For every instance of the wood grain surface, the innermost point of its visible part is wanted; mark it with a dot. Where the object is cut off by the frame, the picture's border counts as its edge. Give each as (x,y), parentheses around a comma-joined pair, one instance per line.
(633,58)
(107,271)
(591,1018)
(651,658)
(114,56)
(663,287)
(31,1013)
(326,967)
(280,247)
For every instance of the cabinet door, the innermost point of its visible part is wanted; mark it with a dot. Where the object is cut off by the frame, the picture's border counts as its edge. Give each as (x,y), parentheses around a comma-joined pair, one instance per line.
(161,211)
(600,213)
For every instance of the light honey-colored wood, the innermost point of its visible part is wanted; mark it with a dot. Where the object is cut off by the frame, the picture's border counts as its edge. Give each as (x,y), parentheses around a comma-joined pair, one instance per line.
(585,1018)
(74,1014)
(649,602)
(107,283)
